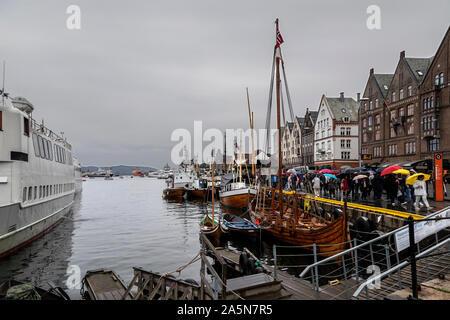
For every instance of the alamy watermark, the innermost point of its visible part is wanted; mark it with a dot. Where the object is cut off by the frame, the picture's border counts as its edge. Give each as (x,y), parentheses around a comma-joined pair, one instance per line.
(373,21)
(73,21)
(226,145)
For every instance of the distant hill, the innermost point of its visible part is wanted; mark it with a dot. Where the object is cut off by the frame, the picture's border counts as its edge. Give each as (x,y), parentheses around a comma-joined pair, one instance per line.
(120,170)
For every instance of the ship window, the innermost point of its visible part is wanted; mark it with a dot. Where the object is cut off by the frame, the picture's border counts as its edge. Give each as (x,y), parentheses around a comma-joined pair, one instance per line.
(26,127)
(47,152)
(40,191)
(50,150)
(24,195)
(1,127)
(30,193)
(36,145)
(51,190)
(41,147)
(46,191)
(35,192)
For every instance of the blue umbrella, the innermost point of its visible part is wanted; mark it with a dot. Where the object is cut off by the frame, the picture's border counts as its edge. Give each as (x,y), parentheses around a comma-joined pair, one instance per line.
(330,175)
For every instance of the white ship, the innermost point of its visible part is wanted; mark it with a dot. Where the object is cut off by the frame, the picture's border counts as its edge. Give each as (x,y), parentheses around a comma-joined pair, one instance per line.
(37,176)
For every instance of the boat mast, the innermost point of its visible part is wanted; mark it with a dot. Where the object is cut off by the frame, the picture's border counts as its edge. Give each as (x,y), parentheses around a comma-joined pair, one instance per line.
(240,159)
(280,159)
(250,116)
(212,188)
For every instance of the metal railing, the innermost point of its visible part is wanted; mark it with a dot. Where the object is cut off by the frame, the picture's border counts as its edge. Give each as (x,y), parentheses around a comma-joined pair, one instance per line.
(377,255)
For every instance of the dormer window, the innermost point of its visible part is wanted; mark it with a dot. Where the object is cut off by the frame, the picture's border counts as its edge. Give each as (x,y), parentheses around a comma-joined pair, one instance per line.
(441,78)
(409,91)
(393,96)
(436,79)
(401,94)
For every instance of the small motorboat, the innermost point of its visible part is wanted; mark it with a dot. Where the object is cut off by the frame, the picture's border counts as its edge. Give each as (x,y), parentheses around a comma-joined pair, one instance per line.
(236,224)
(17,290)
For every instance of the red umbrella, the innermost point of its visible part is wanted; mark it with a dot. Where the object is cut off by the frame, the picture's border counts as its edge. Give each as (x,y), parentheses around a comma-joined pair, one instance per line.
(325,171)
(390,169)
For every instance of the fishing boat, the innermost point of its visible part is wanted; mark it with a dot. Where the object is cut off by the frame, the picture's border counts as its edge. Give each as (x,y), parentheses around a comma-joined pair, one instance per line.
(235,195)
(137,173)
(235,224)
(178,183)
(278,212)
(209,225)
(198,189)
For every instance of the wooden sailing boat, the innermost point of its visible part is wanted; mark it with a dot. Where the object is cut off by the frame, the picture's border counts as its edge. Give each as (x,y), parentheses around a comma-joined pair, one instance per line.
(282,218)
(209,225)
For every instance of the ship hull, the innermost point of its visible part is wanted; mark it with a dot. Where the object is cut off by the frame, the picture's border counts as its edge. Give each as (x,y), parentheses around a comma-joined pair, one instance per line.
(200,194)
(236,199)
(27,224)
(174,193)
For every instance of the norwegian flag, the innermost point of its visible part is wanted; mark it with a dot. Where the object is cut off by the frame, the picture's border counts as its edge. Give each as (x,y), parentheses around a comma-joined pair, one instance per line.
(279,38)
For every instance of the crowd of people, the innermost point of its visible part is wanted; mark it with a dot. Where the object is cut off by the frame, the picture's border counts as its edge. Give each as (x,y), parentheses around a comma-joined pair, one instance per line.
(359,186)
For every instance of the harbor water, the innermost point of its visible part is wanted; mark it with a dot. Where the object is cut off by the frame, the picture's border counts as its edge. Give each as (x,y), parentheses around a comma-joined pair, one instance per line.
(117,224)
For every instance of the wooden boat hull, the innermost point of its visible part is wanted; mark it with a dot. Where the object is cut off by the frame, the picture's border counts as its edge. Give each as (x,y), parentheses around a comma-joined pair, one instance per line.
(330,239)
(174,193)
(200,194)
(236,199)
(210,227)
(238,225)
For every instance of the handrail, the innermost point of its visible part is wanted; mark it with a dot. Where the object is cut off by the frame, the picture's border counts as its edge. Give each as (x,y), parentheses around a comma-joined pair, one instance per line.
(401,265)
(362,245)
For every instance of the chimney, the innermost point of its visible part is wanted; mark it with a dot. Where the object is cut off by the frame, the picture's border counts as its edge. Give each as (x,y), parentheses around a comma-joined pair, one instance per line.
(402,54)
(371,70)
(358,96)
(341,97)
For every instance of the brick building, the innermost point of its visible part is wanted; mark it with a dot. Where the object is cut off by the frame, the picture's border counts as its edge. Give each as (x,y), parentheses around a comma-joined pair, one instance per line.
(391,127)
(435,104)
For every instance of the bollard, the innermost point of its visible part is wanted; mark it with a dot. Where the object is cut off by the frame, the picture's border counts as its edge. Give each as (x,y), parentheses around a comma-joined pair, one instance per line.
(412,257)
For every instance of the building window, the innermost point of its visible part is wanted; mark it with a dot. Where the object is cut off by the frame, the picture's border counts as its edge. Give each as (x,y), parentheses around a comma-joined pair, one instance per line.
(371,105)
(409,91)
(345,155)
(342,131)
(393,148)
(410,147)
(377,135)
(441,78)
(401,94)
(436,79)
(401,112)
(348,131)
(393,115)
(393,133)
(411,128)
(393,96)
(342,143)
(410,110)
(376,104)
(431,105)
(364,123)
(433,145)
(349,143)
(369,119)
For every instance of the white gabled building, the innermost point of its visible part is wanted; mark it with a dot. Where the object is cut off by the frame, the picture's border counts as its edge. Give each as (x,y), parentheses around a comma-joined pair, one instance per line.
(336,133)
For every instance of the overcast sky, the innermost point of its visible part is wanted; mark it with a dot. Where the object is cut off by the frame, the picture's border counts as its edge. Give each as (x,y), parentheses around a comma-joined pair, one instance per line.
(137,70)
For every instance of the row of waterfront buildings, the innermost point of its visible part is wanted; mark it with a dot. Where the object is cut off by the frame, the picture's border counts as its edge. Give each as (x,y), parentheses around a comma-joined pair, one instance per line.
(401,117)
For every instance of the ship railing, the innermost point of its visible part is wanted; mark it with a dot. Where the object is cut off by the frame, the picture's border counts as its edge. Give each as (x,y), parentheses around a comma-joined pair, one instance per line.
(49,133)
(366,262)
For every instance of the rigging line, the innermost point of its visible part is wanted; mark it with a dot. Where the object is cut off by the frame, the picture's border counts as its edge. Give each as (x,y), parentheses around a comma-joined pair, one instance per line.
(269,104)
(287,88)
(282,106)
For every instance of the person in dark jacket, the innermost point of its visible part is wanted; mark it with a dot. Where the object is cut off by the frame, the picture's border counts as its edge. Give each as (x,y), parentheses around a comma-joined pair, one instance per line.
(391,187)
(377,187)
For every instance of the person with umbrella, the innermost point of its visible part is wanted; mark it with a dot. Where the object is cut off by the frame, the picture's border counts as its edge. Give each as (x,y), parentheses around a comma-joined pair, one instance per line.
(344,188)
(377,187)
(420,191)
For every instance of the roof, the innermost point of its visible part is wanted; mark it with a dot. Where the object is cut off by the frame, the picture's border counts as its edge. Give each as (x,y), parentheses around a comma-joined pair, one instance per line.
(384,80)
(313,115)
(300,121)
(290,125)
(346,107)
(419,67)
